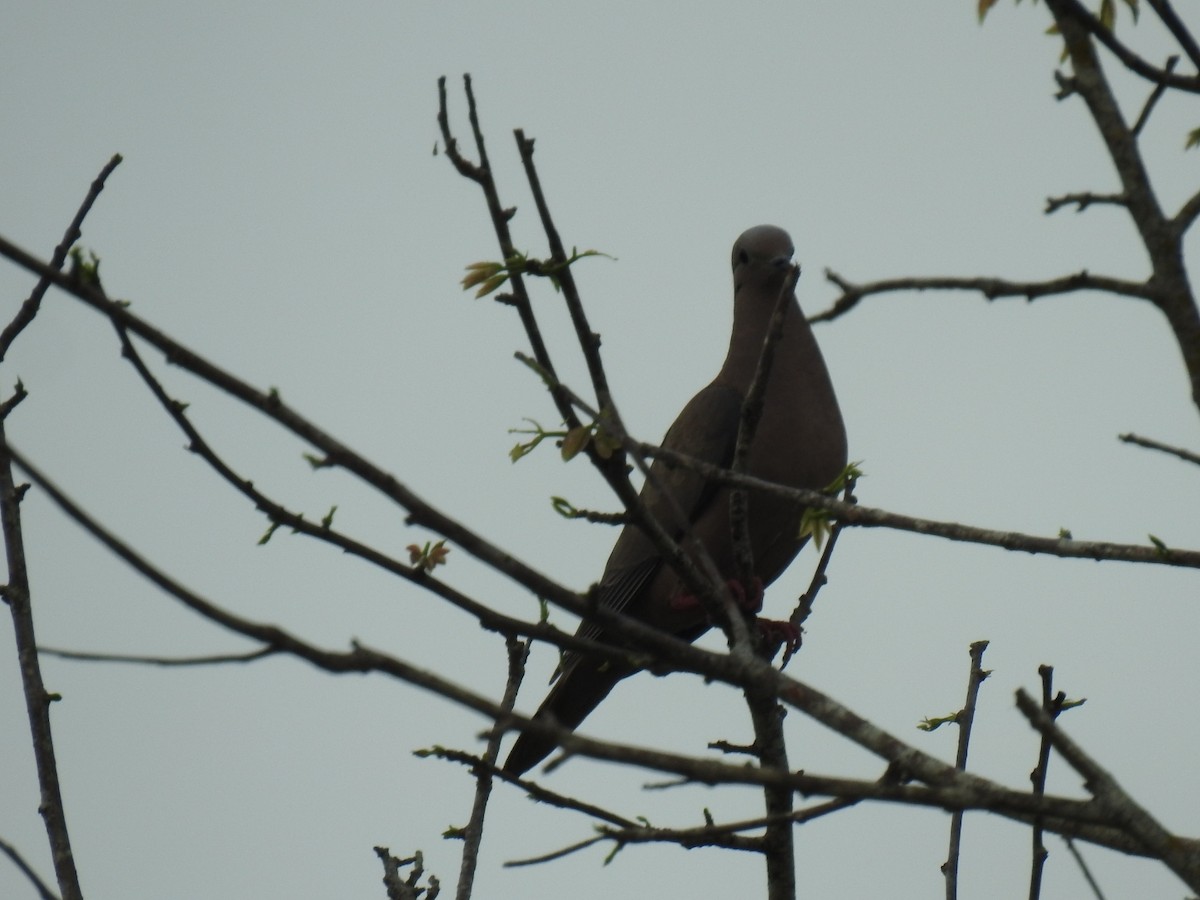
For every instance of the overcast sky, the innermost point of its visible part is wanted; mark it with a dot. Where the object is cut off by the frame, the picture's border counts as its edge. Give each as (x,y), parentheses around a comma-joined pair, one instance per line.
(281,210)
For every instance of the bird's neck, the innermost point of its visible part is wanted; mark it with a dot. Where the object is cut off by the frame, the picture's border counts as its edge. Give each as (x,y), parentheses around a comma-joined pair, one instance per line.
(751,322)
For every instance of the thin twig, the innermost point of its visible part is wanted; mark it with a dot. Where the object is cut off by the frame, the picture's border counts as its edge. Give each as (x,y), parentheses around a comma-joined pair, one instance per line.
(1113,799)
(518,652)
(1082,201)
(43,889)
(1131,61)
(808,599)
(1180,32)
(1083,867)
(990,288)
(37,699)
(30,307)
(1053,705)
(1186,455)
(164,661)
(1155,96)
(965,719)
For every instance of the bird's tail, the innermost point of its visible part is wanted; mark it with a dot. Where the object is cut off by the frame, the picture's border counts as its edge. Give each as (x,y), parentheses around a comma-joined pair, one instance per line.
(573,696)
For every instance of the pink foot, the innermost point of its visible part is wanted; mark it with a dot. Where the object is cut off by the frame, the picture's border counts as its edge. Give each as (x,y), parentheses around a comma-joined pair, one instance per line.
(775,633)
(751,602)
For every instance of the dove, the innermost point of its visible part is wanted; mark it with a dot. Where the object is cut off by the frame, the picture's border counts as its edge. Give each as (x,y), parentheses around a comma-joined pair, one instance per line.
(800,442)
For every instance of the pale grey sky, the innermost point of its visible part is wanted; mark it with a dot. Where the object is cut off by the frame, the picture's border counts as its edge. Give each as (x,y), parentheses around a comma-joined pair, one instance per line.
(280,210)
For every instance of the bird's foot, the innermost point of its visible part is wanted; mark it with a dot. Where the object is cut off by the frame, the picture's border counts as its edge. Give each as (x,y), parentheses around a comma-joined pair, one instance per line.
(776,633)
(750,601)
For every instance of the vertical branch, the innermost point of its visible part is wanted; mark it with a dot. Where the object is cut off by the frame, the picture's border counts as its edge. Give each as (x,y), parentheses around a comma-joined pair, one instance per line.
(37,699)
(1162,238)
(766,713)
(481,174)
(1053,705)
(589,341)
(965,719)
(16,592)
(752,408)
(518,652)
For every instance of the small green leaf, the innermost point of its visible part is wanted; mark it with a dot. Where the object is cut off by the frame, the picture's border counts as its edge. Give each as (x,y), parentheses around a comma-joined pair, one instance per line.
(852,472)
(1193,139)
(1163,550)
(317,462)
(574,441)
(933,724)
(455,833)
(86,271)
(564,507)
(1071,704)
(1064,534)
(268,533)
(428,557)
(817,524)
(327,522)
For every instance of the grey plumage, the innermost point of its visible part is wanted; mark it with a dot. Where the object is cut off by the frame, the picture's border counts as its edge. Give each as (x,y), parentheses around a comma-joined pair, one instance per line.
(800,442)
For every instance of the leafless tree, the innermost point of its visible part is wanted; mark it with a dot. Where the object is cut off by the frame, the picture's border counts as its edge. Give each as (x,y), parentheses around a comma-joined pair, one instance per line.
(592,426)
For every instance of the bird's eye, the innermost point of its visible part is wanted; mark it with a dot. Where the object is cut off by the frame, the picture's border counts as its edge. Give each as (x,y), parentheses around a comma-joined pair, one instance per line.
(743,257)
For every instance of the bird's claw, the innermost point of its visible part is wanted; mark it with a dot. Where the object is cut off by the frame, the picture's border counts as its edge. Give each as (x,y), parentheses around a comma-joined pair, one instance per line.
(774,633)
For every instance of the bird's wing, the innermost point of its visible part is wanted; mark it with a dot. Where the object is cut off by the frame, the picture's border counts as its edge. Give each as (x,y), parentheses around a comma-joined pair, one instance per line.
(707,430)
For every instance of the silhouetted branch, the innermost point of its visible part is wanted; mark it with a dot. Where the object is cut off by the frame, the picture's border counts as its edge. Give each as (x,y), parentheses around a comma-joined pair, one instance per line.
(43,890)
(30,307)
(1111,797)
(1185,455)
(990,288)
(965,719)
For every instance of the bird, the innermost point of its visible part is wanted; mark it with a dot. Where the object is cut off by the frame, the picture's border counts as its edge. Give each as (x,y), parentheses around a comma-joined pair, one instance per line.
(800,441)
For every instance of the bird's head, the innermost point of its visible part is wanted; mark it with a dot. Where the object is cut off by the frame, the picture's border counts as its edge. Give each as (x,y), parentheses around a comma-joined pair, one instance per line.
(762,254)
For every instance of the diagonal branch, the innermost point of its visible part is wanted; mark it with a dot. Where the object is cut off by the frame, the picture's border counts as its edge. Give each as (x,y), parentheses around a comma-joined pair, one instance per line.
(1166,13)
(1185,455)
(1078,13)
(31,305)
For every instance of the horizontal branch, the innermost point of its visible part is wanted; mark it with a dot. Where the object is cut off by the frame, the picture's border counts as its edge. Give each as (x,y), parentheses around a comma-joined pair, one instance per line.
(165,661)
(990,288)
(851,514)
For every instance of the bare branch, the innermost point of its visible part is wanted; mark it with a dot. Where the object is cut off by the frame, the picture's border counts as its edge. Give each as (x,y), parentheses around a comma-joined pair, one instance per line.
(44,892)
(990,288)
(1162,237)
(853,514)
(37,699)
(30,307)
(1082,201)
(965,719)
(1053,705)
(164,661)
(1112,798)
(1131,61)
(1083,867)
(1170,18)
(1185,455)
(518,652)
(1155,96)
